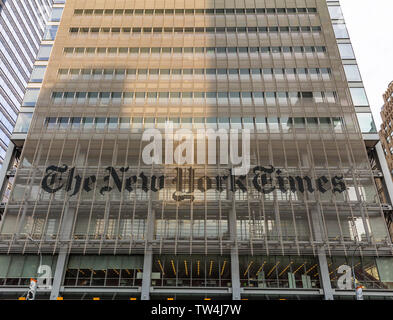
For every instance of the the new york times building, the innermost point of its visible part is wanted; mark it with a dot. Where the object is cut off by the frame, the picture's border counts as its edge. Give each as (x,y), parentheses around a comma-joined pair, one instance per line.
(260,189)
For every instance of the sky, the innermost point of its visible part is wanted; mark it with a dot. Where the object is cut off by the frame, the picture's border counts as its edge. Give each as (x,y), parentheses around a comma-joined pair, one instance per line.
(370,26)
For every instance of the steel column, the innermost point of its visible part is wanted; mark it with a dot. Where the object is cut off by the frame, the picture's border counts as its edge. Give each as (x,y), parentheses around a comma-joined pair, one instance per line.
(385,170)
(148,258)
(323,266)
(58,276)
(235,273)
(62,259)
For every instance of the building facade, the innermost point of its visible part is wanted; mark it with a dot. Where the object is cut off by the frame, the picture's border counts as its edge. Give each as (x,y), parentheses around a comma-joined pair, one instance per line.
(374,148)
(385,133)
(386,144)
(22,28)
(109,223)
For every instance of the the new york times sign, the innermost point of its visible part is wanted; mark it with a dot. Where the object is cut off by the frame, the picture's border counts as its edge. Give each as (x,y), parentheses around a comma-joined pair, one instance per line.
(263,179)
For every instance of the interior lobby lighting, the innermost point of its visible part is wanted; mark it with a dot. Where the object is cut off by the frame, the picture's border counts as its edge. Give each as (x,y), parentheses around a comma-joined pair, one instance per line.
(285,269)
(248,268)
(299,268)
(272,269)
(311,268)
(185,267)
(173,267)
(261,268)
(162,269)
(223,267)
(211,268)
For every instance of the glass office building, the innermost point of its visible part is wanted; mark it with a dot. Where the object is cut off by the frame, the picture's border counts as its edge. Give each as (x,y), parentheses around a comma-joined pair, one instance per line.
(23,25)
(111,225)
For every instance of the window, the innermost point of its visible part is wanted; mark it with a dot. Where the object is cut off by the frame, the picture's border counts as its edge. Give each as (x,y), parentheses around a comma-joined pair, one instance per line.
(209,50)
(69,97)
(340,31)
(44,52)
(366,123)
(50,32)
(105,270)
(331,97)
(105,98)
(30,98)
(335,12)
(75,30)
(81,97)
(352,73)
(325,72)
(346,51)
(282,98)
(76,123)
(307,95)
(23,123)
(125,123)
(88,123)
(63,122)
(17,270)
(57,97)
(100,123)
(38,73)
(270,98)
(79,51)
(273,124)
(232,95)
(93,97)
(56,14)
(359,97)
(299,123)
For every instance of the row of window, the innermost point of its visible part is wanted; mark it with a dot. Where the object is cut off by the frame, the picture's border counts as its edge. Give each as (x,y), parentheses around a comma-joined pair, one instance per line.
(211,11)
(192,29)
(274,123)
(389,137)
(122,73)
(388,127)
(156,50)
(256,271)
(5,122)
(2,153)
(271,98)
(260,98)
(4,138)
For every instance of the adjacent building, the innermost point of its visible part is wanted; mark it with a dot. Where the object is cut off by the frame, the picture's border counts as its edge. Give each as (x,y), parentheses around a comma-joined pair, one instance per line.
(22,27)
(386,133)
(386,142)
(109,221)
